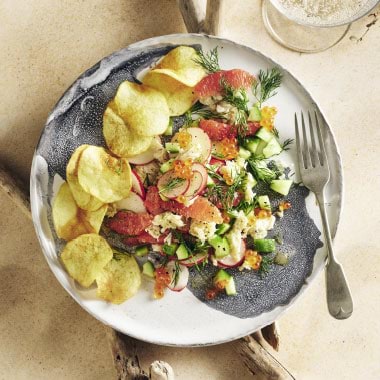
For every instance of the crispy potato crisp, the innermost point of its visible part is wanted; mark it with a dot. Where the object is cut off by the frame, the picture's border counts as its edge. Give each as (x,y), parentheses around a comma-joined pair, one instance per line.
(85,257)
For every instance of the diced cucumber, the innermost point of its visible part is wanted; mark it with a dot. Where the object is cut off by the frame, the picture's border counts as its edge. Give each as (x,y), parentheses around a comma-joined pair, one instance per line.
(224,280)
(182,252)
(230,287)
(264,134)
(148,269)
(169,249)
(273,147)
(251,143)
(281,186)
(169,129)
(172,147)
(265,245)
(166,166)
(244,153)
(210,182)
(254,114)
(220,245)
(221,277)
(142,250)
(281,259)
(264,202)
(260,147)
(222,229)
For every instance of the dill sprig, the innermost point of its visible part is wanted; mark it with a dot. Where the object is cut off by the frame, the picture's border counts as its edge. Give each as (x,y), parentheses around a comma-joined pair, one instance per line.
(260,170)
(238,98)
(177,272)
(286,144)
(172,184)
(209,61)
(267,84)
(201,111)
(265,265)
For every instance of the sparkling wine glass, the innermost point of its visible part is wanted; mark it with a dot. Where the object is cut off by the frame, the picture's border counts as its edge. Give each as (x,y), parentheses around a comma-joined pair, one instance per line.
(311,26)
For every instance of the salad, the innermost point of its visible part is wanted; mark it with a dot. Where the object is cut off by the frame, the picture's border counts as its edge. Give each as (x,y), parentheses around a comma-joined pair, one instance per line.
(192,161)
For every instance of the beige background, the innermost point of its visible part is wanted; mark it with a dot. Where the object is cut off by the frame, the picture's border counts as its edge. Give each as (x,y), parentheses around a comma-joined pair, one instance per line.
(44,46)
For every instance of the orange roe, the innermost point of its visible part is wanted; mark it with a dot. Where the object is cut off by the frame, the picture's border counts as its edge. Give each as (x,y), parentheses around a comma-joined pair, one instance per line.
(260,213)
(183,138)
(183,169)
(284,205)
(226,217)
(253,259)
(229,148)
(227,178)
(162,280)
(181,199)
(267,117)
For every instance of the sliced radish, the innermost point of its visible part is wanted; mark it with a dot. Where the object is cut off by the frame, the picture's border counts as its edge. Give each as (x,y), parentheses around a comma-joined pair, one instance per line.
(194,260)
(182,278)
(198,182)
(175,191)
(198,136)
(217,162)
(137,185)
(230,262)
(147,156)
(133,202)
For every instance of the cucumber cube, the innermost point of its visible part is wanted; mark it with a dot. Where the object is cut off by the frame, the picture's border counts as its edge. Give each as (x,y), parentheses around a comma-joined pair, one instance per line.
(142,250)
(148,269)
(254,114)
(182,252)
(281,186)
(220,245)
(264,202)
(264,134)
(231,288)
(273,148)
(265,245)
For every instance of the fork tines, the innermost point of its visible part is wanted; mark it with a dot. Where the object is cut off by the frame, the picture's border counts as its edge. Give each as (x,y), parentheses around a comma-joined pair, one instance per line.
(316,156)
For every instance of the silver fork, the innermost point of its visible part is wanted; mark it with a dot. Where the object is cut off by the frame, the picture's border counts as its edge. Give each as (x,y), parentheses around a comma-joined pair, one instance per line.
(315,174)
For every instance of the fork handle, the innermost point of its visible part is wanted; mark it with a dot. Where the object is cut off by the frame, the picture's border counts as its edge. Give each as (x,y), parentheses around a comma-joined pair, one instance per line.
(339,300)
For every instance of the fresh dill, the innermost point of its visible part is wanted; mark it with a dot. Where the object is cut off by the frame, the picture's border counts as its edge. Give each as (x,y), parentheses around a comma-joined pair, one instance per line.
(238,98)
(266,85)
(177,272)
(245,206)
(286,144)
(209,61)
(172,184)
(201,111)
(260,170)
(265,265)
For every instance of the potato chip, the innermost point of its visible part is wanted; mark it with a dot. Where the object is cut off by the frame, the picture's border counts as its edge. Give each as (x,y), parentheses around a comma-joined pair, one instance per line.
(85,257)
(69,220)
(175,76)
(119,137)
(104,176)
(120,279)
(180,64)
(142,108)
(84,200)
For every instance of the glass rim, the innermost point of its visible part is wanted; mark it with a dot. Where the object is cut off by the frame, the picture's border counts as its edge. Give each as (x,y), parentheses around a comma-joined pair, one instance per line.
(368,7)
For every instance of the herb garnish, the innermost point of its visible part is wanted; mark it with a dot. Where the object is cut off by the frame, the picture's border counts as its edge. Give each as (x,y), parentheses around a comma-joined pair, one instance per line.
(209,61)
(172,184)
(266,85)
(286,144)
(203,112)
(260,170)
(265,265)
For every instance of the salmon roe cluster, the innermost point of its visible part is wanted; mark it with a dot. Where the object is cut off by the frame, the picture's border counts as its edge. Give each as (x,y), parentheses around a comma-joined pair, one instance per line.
(183,169)
(181,199)
(260,213)
(229,148)
(162,280)
(253,259)
(284,205)
(216,289)
(183,138)
(267,117)
(228,178)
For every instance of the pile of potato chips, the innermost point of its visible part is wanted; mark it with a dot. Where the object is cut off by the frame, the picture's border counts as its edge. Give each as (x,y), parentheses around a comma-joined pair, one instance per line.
(97,177)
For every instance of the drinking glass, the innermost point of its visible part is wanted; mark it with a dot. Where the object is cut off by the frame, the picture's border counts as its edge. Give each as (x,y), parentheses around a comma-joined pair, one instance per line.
(311,26)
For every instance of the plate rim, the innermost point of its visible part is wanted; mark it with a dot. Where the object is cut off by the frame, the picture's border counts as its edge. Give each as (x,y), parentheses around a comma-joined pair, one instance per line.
(168,39)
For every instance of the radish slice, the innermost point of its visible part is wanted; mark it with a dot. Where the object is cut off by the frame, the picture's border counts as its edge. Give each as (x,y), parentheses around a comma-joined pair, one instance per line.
(199,137)
(230,262)
(198,182)
(133,202)
(218,163)
(194,260)
(147,156)
(172,192)
(182,279)
(137,185)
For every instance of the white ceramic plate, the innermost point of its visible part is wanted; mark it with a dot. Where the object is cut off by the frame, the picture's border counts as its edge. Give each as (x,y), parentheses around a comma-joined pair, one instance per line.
(185,318)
